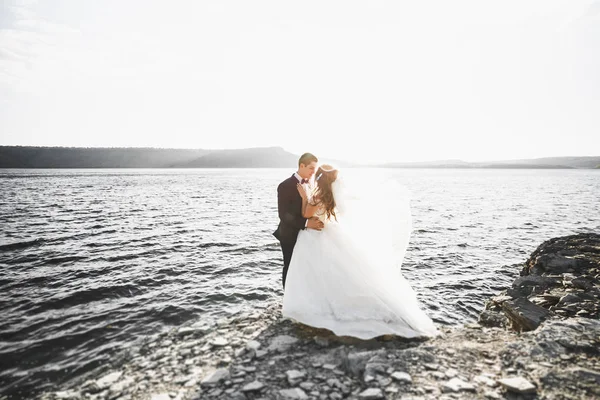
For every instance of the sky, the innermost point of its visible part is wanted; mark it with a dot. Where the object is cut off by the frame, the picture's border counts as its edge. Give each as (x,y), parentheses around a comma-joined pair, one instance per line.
(370,81)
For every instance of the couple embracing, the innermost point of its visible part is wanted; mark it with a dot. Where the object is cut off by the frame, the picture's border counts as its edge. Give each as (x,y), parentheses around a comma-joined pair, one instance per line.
(341,271)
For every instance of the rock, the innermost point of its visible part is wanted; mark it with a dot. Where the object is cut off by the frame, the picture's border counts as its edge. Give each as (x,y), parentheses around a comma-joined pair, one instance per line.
(118,387)
(67,395)
(518,384)
(219,342)
(261,353)
(295,393)
(252,345)
(491,395)
(294,377)
(438,375)
(355,362)
(253,386)
(491,318)
(160,396)
(108,380)
(457,385)
(524,315)
(484,380)
(281,343)
(530,281)
(184,331)
(215,377)
(431,366)
(239,352)
(451,373)
(402,377)
(371,393)
(307,385)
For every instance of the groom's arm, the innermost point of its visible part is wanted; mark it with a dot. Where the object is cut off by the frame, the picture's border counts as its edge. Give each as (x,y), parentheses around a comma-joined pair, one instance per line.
(284,202)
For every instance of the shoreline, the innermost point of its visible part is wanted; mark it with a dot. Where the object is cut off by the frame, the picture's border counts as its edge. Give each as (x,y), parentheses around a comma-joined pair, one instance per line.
(515,351)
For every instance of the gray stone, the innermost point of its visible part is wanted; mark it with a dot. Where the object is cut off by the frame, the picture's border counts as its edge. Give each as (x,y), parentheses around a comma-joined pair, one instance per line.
(252,345)
(215,377)
(485,380)
(184,331)
(253,386)
(491,395)
(294,377)
(281,343)
(295,393)
(457,385)
(108,380)
(160,396)
(67,395)
(402,377)
(451,373)
(307,385)
(431,366)
(118,387)
(518,384)
(219,342)
(371,393)
(260,354)
(524,315)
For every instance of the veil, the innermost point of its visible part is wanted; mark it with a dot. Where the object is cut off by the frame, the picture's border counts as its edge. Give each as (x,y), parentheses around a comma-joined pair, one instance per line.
(373,211)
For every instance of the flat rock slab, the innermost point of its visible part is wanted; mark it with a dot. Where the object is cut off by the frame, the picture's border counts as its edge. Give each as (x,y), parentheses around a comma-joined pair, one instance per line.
(457,385)
(215,377)
(281,343)
(295,393)
(524,315)
(518,384)
(253,386)
(372,393)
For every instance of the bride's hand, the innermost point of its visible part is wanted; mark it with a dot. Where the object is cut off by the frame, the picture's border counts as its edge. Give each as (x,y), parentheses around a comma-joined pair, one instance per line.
(302,191)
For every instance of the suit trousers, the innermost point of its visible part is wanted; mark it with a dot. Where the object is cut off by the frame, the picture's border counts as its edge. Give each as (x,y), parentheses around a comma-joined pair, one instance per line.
(287,248)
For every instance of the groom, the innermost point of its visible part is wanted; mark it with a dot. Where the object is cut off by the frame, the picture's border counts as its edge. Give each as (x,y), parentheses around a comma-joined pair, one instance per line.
(289,206)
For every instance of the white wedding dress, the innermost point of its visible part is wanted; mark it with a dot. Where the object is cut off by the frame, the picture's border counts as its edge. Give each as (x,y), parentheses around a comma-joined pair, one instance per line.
(347,278)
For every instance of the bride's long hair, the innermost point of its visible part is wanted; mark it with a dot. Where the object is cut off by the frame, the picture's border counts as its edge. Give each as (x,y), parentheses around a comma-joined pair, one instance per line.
(326,175)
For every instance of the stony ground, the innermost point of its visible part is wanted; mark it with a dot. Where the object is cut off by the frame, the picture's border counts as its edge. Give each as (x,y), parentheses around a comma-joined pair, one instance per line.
(533,342)
(264,356)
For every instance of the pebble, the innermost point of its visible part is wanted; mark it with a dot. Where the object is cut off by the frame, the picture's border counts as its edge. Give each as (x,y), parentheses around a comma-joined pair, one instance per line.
(253,386)
(371,393)
(402,377)
(295,393)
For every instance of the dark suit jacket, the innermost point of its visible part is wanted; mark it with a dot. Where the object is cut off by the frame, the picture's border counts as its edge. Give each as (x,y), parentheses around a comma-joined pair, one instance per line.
(289,206)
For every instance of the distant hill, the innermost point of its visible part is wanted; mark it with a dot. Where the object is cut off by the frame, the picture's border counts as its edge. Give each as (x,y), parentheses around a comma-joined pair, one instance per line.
(84,157)
(264,157)
(535,163)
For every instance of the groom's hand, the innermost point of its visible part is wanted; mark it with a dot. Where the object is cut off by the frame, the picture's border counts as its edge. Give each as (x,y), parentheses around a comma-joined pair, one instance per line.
(315,223)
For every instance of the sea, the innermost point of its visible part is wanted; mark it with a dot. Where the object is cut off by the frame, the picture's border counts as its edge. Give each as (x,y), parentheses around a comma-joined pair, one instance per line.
(92,261)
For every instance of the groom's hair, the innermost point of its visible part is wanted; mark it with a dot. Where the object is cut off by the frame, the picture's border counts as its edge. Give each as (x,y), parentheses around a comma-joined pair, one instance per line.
(307,158)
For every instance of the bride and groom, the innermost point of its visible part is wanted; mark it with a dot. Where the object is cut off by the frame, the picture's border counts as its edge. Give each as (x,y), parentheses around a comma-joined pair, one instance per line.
(341,244)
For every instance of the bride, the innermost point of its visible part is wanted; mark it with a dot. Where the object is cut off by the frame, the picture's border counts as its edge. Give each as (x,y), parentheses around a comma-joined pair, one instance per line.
(346,277)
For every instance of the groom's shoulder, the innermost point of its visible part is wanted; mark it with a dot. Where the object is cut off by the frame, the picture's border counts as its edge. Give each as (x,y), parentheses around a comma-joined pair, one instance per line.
(287,182)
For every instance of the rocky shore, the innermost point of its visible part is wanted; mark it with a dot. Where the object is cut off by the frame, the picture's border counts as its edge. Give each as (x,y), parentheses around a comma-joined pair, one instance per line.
(539,339)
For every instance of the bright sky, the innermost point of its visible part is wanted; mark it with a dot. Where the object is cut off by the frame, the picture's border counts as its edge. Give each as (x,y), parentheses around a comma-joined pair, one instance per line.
(357,80)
